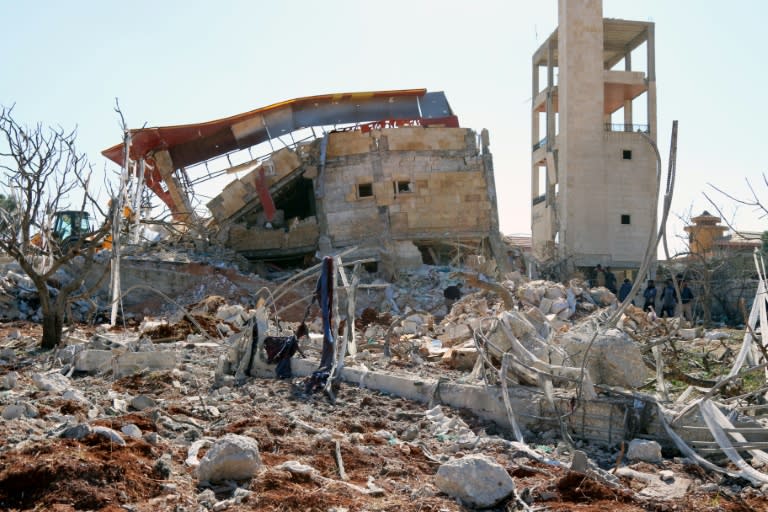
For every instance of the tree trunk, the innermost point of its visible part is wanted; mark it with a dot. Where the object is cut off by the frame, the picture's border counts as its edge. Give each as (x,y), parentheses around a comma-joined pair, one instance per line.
(53,326)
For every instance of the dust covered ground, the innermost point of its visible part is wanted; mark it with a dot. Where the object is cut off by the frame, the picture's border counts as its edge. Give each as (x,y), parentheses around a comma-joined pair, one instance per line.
(390,448)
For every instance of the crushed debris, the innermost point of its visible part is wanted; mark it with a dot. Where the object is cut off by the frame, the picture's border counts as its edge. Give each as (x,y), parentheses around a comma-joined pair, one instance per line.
(427,391)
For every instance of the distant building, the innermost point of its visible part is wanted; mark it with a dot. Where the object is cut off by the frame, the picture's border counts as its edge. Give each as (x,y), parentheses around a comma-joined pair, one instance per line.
(594,168)
(707,237)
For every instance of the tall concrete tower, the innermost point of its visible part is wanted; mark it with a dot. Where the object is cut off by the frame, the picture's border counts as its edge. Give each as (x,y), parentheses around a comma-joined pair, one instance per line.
(593,166)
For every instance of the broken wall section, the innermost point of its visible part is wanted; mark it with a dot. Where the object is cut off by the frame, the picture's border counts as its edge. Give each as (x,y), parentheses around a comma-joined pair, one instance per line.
(406,183)
(372,188)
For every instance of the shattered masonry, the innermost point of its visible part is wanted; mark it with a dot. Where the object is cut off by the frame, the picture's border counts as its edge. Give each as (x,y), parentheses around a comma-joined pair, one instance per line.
(405,180)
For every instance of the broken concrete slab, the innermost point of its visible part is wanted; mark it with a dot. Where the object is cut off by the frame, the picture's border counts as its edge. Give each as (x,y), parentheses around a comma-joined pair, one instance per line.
(93,361)
(124,363)
(612,358)
(658,487)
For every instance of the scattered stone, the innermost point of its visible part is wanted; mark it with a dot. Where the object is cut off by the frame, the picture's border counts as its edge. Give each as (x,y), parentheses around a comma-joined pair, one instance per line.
(690,334)
(8,381)
(8,355)
(644,450)
(579,461)
(131,430)
(75,395)
(232,457)
(14,411)
(78,431)
(93,361)
(54,382)
(142,402)
(475,481)
(163,466)
(112,435)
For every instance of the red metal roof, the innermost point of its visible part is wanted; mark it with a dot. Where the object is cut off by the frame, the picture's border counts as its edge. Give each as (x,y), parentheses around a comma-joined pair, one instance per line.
(192,143)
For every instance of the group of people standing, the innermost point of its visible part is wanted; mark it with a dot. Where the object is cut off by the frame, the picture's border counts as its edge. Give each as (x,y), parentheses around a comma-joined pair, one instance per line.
(667,297)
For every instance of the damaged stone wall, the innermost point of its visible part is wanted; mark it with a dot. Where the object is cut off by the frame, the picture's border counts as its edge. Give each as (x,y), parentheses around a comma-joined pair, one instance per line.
(373,187)
(427,180)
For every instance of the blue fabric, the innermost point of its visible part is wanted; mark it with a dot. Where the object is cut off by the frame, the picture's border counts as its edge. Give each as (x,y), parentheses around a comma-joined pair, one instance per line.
(324,293)
(325,301)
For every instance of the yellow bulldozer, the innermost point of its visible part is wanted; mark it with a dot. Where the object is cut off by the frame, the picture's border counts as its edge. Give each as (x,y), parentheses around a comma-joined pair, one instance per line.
(70,228)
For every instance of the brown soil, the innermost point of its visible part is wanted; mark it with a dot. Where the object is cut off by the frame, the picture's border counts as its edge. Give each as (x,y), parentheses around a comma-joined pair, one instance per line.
(94,474)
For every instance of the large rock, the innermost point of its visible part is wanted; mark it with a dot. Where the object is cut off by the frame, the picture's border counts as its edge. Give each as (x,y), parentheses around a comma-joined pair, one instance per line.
(54,382)
(475,481)
(454,334)
(232,457)
(646,451)
(13,411)
(461,358)
(613,359)
(112,435)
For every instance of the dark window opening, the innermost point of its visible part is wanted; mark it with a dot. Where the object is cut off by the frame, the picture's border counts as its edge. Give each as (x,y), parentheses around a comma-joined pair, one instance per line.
(626,154)
(371,267)
(297,199)
(625,219)
(365,190)
(403,187)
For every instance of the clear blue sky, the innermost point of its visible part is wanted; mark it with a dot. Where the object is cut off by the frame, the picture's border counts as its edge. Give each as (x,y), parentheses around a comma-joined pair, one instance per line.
(174,62)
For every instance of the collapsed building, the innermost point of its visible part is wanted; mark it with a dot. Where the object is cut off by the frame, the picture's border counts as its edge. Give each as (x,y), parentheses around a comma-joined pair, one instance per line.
(391,173)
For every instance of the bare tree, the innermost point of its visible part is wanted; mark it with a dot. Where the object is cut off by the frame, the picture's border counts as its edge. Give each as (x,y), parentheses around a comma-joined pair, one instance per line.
(39,169)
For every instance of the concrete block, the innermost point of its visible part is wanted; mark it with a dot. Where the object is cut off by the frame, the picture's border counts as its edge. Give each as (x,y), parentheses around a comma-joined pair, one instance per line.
(425,139)
(579,462)
(690,334)
(461,358)
(455,334)
(284,162)
(92,361)
(348,143)
(129,363)
(487,403)
(644,450)
(545,305)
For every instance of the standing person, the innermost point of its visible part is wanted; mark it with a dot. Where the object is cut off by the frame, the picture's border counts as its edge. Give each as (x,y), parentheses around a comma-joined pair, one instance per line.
(650,296)
(668,299)
(686,302)
(626,287)
(599,276)
(610,280)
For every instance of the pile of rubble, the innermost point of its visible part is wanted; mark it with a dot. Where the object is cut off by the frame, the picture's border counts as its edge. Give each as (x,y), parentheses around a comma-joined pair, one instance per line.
(525,394)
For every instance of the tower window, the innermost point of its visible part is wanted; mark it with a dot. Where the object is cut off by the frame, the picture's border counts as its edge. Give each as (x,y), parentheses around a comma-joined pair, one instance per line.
(625,218)
(403,187)
(626,154)
(364,190)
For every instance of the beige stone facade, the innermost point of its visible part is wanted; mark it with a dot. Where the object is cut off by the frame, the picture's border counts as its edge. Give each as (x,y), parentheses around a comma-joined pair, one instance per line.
(367,189)
(593,166)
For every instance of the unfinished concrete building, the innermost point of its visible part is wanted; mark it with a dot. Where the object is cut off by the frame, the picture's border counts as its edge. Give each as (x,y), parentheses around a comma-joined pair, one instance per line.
(390,173)
(593,165)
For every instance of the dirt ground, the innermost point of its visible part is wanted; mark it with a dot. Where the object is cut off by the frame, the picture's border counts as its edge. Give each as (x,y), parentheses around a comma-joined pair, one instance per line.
(43,472)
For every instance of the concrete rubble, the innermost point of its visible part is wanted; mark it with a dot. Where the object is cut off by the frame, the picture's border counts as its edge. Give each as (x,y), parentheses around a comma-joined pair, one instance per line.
(517,396)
